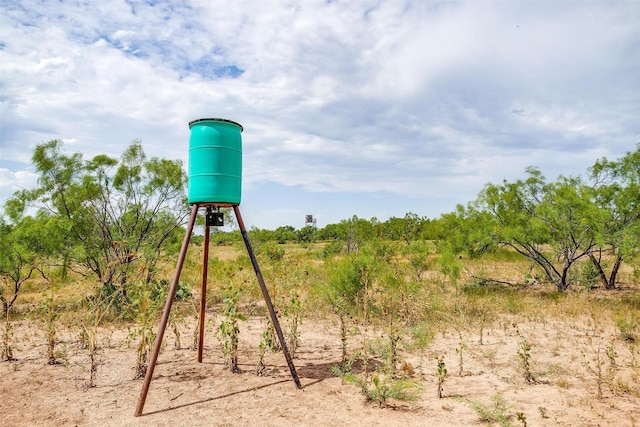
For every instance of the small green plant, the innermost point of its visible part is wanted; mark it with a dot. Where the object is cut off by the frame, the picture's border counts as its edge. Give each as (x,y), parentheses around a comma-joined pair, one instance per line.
(481,324)
(605,373)
(268,341)
(339,306)
(144,308)
(496,412)
(544,412)
(94,361)
(460,350)
(450,266)
(596,366)
(394,306)
(145,341)
(90,322)
(177,319)
(175,327)
(195,337)
(6,352)
(589,276)
(229,330)
(381,388)
(293,314)
(273,251)
(628,329)
(94,310)
(332,248)
(341,369)
(632,351)
(522,418)
(524,355)
(394,358)
(612,368)
(260,367)
(49,311)
(441,375)
(161,289)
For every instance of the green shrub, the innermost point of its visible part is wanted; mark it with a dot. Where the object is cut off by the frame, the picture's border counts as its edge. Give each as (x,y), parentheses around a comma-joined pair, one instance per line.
(382,388)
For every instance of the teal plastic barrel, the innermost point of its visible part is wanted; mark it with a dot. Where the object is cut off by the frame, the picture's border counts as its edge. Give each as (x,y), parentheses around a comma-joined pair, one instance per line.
(215,161)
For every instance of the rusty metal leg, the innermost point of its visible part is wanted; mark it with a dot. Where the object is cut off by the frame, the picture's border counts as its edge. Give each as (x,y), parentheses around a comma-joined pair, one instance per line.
(203,292)
(267,299)
(166,312)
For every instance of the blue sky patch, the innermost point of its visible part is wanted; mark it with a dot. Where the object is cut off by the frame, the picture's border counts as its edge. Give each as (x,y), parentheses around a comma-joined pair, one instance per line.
(212,70)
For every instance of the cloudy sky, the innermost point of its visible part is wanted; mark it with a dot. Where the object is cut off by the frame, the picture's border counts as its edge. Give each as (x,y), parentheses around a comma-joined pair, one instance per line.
(372,108)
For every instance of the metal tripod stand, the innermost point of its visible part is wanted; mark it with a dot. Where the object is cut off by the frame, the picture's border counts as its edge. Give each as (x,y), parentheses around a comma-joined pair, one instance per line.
(174,285)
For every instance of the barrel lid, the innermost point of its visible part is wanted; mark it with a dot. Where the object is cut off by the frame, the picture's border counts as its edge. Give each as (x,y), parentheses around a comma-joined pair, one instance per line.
(216,120)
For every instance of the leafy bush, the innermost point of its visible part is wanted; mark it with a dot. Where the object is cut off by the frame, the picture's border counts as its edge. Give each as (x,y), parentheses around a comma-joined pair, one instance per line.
(332,248)
(496,412)
(382,388)
(161,289)
(589,276)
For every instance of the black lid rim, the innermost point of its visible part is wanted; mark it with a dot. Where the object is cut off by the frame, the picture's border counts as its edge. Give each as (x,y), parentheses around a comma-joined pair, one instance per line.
(216,120)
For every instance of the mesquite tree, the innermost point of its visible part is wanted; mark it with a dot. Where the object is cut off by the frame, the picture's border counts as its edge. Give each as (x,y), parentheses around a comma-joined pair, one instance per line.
(21,255)
(548,222)
(17,265)
(555,224)
(118,216)
(617,194)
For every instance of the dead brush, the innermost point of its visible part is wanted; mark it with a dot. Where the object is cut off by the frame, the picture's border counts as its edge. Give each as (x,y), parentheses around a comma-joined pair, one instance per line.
(94,310)
(145,309)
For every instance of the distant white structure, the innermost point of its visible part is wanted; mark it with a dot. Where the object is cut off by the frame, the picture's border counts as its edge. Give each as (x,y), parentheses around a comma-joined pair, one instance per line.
(309,220)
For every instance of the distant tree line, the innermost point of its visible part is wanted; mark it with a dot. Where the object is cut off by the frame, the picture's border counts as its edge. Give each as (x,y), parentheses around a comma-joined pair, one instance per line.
(114,219)
(355,230)
(554,224)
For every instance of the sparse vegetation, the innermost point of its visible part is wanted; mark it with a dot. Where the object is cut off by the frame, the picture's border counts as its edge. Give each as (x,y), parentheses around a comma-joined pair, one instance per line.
(391,295)
(495,412)
(49,312)
(380,388)
(229,329)
(603,365)
(145,308)
(293,313)
(441,376)
(268,342)
(524,355)
(460,349)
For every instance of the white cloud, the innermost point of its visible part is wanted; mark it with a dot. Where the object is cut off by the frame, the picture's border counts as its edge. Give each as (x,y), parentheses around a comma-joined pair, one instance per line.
(11,181)
(420,99)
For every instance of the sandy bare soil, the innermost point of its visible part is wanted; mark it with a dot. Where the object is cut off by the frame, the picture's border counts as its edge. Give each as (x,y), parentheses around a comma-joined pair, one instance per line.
(185,392)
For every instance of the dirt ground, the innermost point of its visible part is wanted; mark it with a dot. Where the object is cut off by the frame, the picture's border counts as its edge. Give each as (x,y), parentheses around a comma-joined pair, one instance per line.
(564,358)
